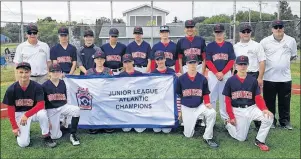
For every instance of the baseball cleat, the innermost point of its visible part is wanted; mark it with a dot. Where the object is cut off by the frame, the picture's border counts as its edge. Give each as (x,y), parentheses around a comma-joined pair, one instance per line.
(49,142)
(74,140)
(262,146)
(211,143)
(273,126)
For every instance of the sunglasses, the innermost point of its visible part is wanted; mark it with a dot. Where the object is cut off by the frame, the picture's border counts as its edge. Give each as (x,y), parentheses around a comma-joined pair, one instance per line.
(30,33)
(114,36)
(160,58)
(127,61)
(278,27)
(189,27)
(246,31)
(242,64)
(192,62)
(63,35)
(55,71)
(217,32)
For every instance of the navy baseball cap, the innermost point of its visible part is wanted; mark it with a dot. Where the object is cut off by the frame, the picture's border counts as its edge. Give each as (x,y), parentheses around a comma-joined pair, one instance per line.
(190,58)
(32,28)
(242,60)
(189,23)
(99,54)
(24,65)
(159,54)
(277,23)
(55,67)
(88,33)
(164,28)
(114,32)
(138,30)
(219,28)
(244,27)
(63,31)
(127,57)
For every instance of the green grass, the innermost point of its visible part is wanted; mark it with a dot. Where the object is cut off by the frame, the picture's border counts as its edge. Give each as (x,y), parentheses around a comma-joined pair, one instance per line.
(295,71)
(9,46)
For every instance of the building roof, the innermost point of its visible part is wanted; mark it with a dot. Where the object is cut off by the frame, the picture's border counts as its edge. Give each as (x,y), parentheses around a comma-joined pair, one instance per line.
(144,5)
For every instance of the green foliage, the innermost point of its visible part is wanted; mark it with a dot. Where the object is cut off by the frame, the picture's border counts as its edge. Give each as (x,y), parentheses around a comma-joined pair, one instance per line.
(222,18)
(12,30)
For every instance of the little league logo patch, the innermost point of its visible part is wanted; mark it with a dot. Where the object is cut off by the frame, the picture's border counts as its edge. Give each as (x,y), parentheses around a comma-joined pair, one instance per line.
(84,99)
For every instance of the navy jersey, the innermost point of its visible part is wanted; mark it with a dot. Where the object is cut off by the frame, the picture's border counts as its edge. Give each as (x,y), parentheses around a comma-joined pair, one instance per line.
(125,74)
(241,93)
(113,55)
(106,71)
(139,53)
(85,56)
(23,100)
(220,56)
(167,71)
(170,52)
(196,47)
(192,92)
(64,57)
(55,96)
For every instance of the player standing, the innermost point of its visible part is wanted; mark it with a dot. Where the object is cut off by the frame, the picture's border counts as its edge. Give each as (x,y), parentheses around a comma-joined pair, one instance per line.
(25,104)
(245,104)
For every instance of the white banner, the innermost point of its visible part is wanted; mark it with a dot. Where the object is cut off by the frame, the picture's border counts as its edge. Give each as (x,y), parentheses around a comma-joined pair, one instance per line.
(144,101)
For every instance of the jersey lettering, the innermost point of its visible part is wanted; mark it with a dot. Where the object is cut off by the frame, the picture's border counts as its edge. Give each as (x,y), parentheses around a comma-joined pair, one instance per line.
(24,102)
(139,55)
(168,55)
(192,51)
(220,56)
(192,92)
(57,96)
(64,59)
(242,94)
(114,58)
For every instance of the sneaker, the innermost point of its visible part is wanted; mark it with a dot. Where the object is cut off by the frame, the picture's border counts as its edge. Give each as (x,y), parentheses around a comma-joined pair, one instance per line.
(287,126)
(49,142)
(74,140)
(211,143)
(273,126)
(262,146)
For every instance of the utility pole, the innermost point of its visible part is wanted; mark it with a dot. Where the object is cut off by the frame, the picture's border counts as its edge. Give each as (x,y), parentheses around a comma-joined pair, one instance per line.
(234,21)
(111,13)
(278,15)
(69,19)
(260,10)
(152,17)
(22,29)
(192,9)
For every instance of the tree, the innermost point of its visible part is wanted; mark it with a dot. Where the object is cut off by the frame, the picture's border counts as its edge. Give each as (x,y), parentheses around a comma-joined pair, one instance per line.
(12,30)
(199,19)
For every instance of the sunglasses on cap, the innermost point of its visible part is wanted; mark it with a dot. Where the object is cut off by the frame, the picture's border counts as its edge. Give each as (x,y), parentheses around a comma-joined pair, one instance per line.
(278,27)
(246,31)
(30,33)
(192,62)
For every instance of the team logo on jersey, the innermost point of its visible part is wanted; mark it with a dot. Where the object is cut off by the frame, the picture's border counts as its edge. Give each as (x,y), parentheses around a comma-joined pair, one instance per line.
(84,99)
(285,46)
(41,50)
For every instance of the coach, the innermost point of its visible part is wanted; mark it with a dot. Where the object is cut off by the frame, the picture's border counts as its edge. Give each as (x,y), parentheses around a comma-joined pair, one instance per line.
(280,49)
(36,53)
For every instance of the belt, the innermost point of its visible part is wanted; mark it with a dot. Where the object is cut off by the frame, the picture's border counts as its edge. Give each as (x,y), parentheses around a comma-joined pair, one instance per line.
(141,66)
(37,75)
(116,70)
(241,106)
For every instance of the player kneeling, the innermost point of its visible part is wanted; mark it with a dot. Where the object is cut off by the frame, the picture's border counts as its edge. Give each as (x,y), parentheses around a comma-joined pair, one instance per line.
(192,87)
(25,103)
(245,104)
(56,104)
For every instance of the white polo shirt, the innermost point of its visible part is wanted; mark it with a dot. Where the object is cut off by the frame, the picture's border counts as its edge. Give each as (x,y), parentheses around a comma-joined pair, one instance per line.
(278,54)
(253,50)
(36,55)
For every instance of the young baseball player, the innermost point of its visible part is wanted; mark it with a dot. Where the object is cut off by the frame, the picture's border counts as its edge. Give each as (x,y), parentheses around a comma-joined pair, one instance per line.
(191,45)
(169,48)
(192,87)
(163,69)
(114,51)
(25,104)
(140,50)
(56,104)
(219,60)
(245,104)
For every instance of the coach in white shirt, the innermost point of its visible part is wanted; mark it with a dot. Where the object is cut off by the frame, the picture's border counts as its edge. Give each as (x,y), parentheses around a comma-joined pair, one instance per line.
(255,53)
(280,49)
(36,53)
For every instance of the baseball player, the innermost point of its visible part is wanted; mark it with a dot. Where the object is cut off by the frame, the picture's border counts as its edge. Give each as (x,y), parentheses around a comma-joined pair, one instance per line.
(255,53)
(245,104)
(114,51)
(55,95)
(192,87)
(163,69)
(25,103)
(169,48)
(64,53)
(219,60)
(85,53)
(140,50)
(191,45)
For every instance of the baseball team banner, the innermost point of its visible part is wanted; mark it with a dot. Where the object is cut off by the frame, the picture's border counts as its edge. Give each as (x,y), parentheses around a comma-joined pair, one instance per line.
(144,101)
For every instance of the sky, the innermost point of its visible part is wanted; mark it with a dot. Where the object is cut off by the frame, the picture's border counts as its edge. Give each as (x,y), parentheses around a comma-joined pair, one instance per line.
(89,11)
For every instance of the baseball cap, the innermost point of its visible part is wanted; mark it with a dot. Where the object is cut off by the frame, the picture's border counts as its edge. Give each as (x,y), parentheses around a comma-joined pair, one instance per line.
(242,60)
(277,23)
(55,67)
(127,57)
(99,54)
(32,28)
(159,54)
(219,28)
(138,30)
(189,23)
(164,28)
(190,58)
(63,31)
(245,27)
(114,32)
(88,33)
(24,65)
